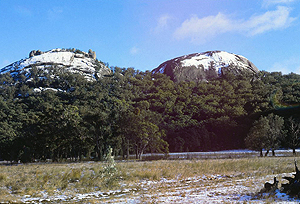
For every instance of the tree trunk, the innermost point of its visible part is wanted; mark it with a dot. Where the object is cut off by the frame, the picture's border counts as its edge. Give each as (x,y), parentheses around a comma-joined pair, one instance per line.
(294,151)
(267,152)
(261,153)
(140,155)
(127,149)
(98,150)
(273,152)
(137,153)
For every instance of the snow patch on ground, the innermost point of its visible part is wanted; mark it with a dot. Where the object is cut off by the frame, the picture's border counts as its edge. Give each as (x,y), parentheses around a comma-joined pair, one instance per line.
(41,89)
(200,189)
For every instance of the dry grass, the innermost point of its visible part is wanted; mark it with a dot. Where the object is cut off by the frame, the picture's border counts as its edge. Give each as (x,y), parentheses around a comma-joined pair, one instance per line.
(189,168)
(31,179)
(34,179)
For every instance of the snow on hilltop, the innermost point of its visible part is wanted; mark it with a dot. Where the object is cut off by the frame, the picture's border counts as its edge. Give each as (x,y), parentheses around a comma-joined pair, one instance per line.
(72,60)
(198,65)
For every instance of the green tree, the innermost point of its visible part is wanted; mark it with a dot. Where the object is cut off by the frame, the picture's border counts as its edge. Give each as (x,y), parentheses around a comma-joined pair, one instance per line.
(257,136)
(7,137)
(293,134)
(142,132)
(275,132)
(266,133)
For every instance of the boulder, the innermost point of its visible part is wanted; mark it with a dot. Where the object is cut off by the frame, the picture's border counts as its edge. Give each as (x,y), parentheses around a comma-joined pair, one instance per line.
(38,52)
(35,53)
(32,53)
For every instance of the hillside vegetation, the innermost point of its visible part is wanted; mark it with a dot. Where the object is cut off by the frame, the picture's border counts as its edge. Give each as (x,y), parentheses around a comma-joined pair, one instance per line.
(136,112)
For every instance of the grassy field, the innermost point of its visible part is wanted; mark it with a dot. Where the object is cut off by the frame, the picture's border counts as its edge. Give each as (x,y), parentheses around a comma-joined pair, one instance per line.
(36,180)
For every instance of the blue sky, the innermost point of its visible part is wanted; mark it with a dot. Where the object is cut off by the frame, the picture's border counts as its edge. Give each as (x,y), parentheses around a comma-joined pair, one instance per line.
(144,33)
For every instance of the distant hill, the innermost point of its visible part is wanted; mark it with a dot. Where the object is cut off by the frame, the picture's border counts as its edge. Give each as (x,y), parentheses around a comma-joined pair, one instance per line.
(72,60)
(204,66)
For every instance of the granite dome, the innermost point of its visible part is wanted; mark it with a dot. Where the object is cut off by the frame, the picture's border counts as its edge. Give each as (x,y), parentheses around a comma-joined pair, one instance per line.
(204,66)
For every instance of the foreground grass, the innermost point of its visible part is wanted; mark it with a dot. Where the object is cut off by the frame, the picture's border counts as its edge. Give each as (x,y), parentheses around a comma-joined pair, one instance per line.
(36,179)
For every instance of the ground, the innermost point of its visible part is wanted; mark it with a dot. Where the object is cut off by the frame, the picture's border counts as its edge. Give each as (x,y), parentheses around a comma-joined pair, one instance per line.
(199,189)
(226,180)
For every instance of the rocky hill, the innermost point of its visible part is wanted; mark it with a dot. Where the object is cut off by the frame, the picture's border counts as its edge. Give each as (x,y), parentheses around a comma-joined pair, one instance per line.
(204,66)
(71,60)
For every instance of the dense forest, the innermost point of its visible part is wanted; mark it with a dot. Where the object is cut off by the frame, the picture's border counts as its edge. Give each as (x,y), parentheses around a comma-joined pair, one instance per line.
(136,112)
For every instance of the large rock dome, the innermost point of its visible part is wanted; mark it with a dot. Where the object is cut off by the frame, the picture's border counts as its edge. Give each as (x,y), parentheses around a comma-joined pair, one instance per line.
(204,66)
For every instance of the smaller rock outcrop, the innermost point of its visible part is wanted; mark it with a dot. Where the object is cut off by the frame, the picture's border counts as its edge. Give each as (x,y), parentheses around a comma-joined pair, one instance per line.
(72,60)
(38,52)
(35,53)
(92,54)
(32,53)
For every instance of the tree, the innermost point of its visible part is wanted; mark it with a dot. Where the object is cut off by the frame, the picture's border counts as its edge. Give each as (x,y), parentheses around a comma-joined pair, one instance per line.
(7,137)
(141,131)
(211,73)
(266,133)
(275,132)
(293,139)
(257,136)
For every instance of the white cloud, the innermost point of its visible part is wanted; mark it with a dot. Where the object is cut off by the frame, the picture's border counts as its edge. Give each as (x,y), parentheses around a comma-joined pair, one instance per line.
(287,66)
(162,23)
(271,20)
(200,30)
(134,50)
(267,3)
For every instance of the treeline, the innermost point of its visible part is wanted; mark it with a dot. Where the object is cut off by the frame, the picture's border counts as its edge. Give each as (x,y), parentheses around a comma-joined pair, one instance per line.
(136,112)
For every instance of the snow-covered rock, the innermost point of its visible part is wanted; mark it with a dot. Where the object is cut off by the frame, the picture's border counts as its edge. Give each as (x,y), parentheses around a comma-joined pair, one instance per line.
(71,60)
(204,66)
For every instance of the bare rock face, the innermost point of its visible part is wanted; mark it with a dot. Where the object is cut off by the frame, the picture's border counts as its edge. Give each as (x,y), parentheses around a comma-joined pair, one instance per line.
(71,60)
(205,66)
